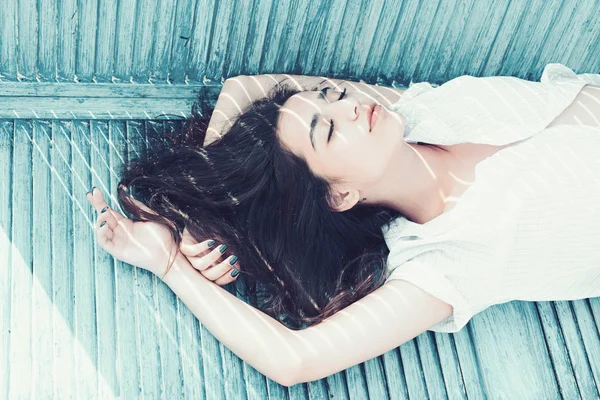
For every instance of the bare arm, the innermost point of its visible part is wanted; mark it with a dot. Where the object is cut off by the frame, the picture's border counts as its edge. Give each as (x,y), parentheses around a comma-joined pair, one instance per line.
(238,92)
(381,321)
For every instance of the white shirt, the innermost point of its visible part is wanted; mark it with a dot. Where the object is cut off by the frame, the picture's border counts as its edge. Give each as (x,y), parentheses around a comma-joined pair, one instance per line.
(529,226)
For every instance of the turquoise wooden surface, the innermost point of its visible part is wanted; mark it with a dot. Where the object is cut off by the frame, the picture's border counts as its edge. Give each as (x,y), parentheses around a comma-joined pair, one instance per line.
(379,40)
(81,85)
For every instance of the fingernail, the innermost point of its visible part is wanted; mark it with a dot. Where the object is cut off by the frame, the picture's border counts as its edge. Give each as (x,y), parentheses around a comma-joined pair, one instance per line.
(86,193)
(102,224)
(211,243)
(93,188)
(233,260)
(104,210)
(223,248)
(234,273)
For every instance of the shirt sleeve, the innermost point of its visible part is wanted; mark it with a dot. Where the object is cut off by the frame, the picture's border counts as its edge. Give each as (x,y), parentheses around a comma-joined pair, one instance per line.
(493,110)
(430,280)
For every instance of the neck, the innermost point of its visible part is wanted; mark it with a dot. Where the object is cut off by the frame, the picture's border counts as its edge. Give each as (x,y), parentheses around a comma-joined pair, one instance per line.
(422,171)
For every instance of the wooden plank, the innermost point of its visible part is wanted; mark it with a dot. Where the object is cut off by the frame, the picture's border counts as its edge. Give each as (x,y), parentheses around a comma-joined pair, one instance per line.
(511,351)
(48,13)
(236,48)
(558,352)
(8,39)
(385,29)
(147,324)
(361,47)
(217,50)
(124,40)
(314,28)
(346,35)
(290,37)
(95,108)
(146,15)
(68,24)
(394,373)
(200,39)
(21,265)
(27,39)
(104,264)
(125,288)
(273,44)
(85,90)
(86,40)
(105,40)
(42,260)
(413,370)
(163,40)
(182,33)
(261,13)
(329,39)
(63,314)
(588,332)
(451,369)
(6,159)
(428,353)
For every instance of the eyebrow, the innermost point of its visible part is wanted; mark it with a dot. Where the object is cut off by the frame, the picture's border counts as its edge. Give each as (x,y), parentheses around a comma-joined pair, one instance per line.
(315,119)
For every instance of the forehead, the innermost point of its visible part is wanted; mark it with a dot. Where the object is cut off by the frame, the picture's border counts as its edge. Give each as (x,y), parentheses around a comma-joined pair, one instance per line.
(295,118)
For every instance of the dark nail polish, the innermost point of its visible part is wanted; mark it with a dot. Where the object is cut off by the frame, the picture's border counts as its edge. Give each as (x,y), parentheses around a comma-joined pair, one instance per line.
(102,224)
(234,273)
(223,248)
(93,188)
(233,260)
(211,243)
(104,210)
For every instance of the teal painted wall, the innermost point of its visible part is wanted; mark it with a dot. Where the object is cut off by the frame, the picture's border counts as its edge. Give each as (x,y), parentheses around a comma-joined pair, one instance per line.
(377,41)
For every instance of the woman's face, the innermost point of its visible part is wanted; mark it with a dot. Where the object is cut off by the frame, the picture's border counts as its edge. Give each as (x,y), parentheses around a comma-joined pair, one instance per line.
(332,132)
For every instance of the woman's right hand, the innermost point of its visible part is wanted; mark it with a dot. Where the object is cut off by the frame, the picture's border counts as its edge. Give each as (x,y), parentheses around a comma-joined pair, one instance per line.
(206,258)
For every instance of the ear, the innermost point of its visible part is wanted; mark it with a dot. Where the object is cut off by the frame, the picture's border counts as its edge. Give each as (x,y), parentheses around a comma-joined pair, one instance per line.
(343,199)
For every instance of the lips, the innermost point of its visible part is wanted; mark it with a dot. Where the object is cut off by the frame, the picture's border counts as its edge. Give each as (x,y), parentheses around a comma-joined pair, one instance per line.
(373,115)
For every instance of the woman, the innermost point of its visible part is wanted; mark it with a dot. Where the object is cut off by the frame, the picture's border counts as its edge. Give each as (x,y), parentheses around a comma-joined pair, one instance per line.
(478,188)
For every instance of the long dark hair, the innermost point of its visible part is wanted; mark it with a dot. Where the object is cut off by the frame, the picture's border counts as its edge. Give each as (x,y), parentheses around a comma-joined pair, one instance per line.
(302,262)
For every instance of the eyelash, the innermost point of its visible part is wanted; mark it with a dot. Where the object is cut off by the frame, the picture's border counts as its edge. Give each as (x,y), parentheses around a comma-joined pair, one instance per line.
(331,121)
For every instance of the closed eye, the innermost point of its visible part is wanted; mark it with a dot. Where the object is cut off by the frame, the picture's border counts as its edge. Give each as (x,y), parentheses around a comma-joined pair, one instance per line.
(331,127)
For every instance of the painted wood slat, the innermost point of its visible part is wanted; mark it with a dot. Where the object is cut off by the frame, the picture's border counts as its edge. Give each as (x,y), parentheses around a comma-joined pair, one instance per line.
(291,37)
(66,48)
(219,40)
(146,15)
(87,12)
(591,341)
(236,47)
(105,40)
(47,51)
(200,39)
(113,90)
(127,337)
(317,15)
(394,373)
(27,35)
(163,40)
(451,368)
(41,325)
(257,32)
(6,159)
(508,341)
(343,48)
(280,13)
(430,362)
(369,22)
(63,315)
(182,33)
(124,39)
(8,39)
(439,66)
(384,34)
(21,265)
(555,341)
(329,39)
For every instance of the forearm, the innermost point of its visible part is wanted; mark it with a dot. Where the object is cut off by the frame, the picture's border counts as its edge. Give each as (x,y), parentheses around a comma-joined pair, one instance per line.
(253,336)
(238,92)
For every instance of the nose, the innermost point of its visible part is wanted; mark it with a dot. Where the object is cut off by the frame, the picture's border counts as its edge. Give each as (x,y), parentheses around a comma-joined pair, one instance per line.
(347,108)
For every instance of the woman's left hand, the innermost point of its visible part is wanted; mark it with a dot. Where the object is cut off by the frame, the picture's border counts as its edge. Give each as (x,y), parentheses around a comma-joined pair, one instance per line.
(146,245)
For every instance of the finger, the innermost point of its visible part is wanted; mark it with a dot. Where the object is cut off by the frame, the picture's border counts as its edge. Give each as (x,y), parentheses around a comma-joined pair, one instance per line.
(220,269)
(108,217)
(195,249)
(96,198)
(203,262)
(230,274)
